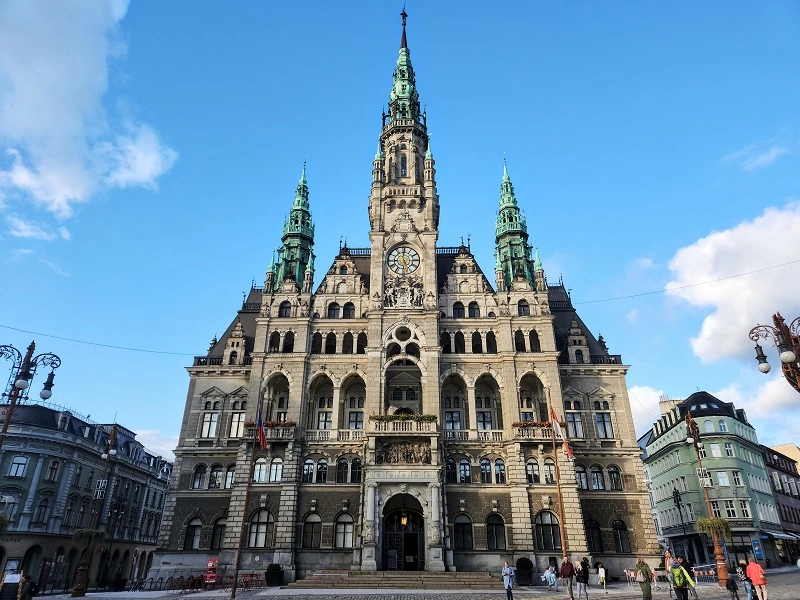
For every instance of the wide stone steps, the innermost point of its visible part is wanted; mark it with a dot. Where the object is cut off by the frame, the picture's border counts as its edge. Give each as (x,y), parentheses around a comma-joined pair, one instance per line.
(408,580)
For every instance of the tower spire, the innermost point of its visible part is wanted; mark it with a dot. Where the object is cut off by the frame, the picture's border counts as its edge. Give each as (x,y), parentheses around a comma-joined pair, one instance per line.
(404,99)
(511,235)
(403,41)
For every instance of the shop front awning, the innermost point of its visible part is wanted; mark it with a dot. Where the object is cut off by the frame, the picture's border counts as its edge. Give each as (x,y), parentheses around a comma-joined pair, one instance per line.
(781,535)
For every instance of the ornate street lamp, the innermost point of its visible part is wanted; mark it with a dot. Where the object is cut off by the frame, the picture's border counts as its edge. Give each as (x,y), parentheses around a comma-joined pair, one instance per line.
(787,341)
(22,372)
(694,439)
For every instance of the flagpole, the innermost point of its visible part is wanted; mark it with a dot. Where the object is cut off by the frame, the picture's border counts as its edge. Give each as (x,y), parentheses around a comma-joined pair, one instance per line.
(561,526)
(246,503)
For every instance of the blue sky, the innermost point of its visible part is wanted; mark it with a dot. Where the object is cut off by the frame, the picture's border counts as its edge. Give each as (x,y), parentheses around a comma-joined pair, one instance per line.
(148,154)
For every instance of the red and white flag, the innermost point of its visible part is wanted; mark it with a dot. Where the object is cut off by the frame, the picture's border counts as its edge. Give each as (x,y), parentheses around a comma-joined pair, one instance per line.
(262,438)
(560,433)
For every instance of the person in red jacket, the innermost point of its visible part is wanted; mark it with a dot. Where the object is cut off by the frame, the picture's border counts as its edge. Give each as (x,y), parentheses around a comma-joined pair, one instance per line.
(756,574)
(567,572)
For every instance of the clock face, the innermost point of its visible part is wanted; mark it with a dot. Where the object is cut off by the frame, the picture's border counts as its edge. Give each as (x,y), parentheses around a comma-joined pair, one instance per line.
(403,260)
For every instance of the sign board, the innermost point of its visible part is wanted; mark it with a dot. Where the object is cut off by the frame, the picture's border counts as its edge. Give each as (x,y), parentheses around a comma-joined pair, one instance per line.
(12,578)
(757,551)
(211,570)
(703,473)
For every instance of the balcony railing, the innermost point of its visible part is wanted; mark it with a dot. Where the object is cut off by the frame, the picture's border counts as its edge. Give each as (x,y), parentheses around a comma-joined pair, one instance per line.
(490,435)
(274,433)
(318,435)
(533,433)
(403,426)
(216,361)
(456,435)
(350,435)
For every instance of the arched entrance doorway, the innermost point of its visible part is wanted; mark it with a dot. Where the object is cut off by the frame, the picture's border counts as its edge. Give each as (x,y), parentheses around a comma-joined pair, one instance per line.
(403,534)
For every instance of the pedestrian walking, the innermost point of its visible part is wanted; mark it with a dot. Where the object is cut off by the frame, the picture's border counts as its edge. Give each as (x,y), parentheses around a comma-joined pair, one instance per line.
(27,588)
(741,571)
(567,573)
(731,586)
(643,577)
(550,577)
(687,564)
(601,575)
(756,575)
(508,580)
(582,579)
(681,580)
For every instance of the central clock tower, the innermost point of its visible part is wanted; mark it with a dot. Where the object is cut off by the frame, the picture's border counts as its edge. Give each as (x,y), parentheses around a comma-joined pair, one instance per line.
(403,204)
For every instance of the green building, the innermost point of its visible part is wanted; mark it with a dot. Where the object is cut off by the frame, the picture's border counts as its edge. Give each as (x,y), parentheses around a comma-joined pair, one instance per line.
(733,482)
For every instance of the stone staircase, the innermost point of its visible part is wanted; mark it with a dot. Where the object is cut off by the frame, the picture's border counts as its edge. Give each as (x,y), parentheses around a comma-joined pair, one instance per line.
(406,580)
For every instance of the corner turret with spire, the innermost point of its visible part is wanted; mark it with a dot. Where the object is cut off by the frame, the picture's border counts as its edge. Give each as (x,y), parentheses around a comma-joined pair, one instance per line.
(512,252)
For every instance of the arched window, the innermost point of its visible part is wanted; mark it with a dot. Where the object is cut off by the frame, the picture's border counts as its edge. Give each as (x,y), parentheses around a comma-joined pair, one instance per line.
(274,342)
(450,471)
(614,478)
(462,269)
(549,471)
(330,343)
(349,311)
(208,406)
(593,537)
(723,426)
(322,470)
(42,510)
(444,342)
(579,356)
(519,341)
(474,310)
(312,531)
(343,531)
(598,481)
(495,533)
(596,405)
(18,465)
(261,530)
(532,471)
(229,475)
(534,340)
(477,343)
(218,534)
(193,531)
(548,535)
(460,344)
(355,471)
(260,470)
(576,405)
(621,542)
(285,309)
(347,343)
(523,308)
(403,165)
(499,471)
(605,405)
(316,343)
(333,310)
(708,426)
(580,477)
(462,532)
(343,270)
(486,471)
(361,343)
(464,471)
(491,343)
(341,470)
(288,342)
(308,471)
(215,478)
(458,310)
(199,479)
(276,470)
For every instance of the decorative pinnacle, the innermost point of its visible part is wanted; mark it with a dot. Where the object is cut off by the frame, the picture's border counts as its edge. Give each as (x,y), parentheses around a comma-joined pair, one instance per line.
(537,263)
(505,170)
(428,153)
(303,174)
(403,42)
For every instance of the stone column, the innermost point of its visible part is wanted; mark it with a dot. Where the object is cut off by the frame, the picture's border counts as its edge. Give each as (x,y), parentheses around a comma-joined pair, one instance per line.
(435,560)
(471,414)
(368,562)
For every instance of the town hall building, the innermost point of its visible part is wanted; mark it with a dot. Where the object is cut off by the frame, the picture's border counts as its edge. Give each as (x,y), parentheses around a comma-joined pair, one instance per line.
(406,402)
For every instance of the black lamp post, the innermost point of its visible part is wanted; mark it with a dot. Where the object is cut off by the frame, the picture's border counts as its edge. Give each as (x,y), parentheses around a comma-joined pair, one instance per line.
(22,372)
(787,340)
(676,498)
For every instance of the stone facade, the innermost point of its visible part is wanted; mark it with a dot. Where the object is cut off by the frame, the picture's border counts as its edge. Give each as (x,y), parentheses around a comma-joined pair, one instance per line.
(406,401)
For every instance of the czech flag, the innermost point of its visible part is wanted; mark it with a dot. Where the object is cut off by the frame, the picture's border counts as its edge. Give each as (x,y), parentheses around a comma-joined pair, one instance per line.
(560,433)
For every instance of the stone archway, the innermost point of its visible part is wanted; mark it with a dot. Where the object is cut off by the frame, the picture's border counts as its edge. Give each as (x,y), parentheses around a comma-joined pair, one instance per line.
(403,535)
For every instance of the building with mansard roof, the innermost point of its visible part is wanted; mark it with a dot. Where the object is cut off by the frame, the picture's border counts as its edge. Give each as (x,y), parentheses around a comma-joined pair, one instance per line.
(406,401)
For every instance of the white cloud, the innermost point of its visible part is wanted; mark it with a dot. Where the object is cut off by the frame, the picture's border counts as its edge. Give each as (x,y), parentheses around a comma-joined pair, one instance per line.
(61,145)
(19,227)
(644,407)
(755,157)
(158,442)
(738,303)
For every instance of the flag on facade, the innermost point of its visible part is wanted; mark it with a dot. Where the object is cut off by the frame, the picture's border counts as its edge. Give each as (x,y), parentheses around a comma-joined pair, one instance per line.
(560,433)
(262,434)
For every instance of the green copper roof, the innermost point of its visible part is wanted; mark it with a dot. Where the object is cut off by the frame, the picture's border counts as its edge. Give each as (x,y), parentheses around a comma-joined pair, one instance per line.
(537,263)
(379,154)
(301,194)
(507,197)
(404,98)
(428,153)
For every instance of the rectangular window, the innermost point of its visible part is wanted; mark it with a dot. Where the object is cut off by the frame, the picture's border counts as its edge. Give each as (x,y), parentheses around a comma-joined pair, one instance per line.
(484,420)
(744,506)
(701,452)
(737,477)
(604,429)
(574,425)
(715,451)
(452,419)
(281,416)
(209,428)
(689,511)
(682,484)
(527,416)
(728,449)
(52,471)
(324,420)
(356,420)
(722,478)
(730,509)
(237,425)
(715,508)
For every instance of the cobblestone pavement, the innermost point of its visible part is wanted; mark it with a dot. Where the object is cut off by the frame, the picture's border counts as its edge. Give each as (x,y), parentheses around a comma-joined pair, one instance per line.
(784,584)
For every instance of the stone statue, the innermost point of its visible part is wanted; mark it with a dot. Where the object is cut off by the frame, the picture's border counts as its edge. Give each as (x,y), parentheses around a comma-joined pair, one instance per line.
(376,301)
(304,310)
(430,301)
